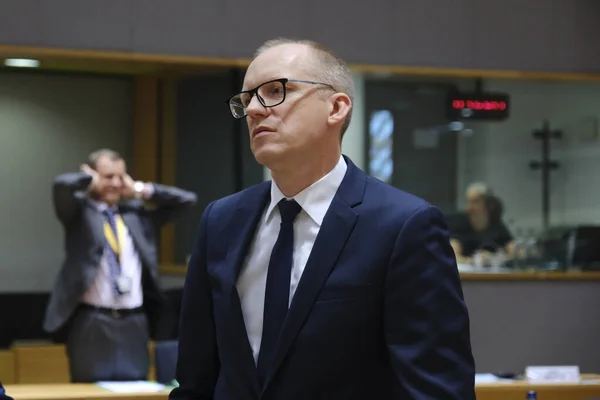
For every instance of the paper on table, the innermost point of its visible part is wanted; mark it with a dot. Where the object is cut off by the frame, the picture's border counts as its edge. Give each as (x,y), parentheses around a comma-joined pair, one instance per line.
(489,378)
(132,386)
(590,381)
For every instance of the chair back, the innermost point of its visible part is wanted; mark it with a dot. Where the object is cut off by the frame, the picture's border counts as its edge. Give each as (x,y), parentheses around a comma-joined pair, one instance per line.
(165,358)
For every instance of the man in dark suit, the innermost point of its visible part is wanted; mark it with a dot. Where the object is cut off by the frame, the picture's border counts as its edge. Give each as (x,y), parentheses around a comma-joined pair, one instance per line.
(324,283)
(107,290)
(3,395)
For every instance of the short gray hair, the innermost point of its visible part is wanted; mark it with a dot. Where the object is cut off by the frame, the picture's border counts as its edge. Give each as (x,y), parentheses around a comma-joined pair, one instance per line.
(329,68)
(479,188)
(95,156)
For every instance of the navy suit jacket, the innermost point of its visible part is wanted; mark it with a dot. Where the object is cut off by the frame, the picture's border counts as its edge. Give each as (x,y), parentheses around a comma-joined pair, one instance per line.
(3,395)
(378,313)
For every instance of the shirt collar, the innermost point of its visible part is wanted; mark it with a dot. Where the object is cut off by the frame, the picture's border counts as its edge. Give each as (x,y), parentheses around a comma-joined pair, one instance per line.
(316,198)
(101,206)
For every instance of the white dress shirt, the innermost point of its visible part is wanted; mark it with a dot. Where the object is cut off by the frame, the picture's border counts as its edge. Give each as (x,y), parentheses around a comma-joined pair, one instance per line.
(251,283)
(101,292)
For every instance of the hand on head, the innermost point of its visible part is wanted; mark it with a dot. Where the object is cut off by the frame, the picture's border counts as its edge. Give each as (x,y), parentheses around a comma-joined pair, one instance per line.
(127,190)
(94,185)
(110,181)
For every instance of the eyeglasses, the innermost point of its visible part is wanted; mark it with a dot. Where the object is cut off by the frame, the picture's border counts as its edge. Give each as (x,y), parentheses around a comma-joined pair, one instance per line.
(269,94)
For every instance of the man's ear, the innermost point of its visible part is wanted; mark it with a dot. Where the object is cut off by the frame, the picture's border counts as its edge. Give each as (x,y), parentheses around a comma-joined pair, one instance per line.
(340,106)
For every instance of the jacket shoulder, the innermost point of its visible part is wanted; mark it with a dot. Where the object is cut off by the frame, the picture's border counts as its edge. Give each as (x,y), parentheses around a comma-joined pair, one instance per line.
(398,205)
(394,214)
(226,204)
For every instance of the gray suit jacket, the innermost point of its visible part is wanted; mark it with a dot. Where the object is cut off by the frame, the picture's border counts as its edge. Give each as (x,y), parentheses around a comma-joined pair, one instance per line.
(85,242)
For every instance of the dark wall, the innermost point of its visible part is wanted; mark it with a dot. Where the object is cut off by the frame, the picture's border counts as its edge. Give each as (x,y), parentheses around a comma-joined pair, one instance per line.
(213,154)
(558,35)
(515,324)
(23,316)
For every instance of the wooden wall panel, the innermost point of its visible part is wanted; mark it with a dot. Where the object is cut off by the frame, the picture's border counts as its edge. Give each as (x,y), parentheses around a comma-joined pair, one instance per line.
(7,367)
(145,128)
(41,363)
(168,154)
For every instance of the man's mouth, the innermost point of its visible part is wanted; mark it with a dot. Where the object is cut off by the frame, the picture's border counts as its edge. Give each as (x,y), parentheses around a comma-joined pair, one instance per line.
(260,130)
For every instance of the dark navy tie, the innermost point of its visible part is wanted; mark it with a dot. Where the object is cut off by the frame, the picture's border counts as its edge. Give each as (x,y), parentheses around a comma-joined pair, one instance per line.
(277,292)
(111,256)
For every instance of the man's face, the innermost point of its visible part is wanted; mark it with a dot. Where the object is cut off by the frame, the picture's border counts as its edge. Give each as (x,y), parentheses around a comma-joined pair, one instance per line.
(110,180)
(475,203)
(291,130)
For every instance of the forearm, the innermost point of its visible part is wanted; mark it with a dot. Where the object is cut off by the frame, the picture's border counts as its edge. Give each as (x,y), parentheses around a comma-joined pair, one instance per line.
(164,195)
(170,201)
(73,181)
(64,191)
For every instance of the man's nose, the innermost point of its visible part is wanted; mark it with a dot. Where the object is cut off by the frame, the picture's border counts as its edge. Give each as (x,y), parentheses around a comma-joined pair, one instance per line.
(255,107)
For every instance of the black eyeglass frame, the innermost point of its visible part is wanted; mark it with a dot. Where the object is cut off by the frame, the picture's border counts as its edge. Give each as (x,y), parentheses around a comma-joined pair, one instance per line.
(283,82)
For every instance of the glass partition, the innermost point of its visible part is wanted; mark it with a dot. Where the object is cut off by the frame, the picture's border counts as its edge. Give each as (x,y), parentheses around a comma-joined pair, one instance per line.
(519,192)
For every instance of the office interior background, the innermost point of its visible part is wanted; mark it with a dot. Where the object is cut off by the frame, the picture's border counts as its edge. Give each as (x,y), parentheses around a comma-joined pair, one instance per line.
(150,79)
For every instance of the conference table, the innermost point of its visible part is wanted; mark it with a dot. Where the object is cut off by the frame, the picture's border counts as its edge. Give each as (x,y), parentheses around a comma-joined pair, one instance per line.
(588,389)
(75,391)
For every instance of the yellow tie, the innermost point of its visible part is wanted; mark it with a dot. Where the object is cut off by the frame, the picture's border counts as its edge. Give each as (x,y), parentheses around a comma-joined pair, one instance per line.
(115,243)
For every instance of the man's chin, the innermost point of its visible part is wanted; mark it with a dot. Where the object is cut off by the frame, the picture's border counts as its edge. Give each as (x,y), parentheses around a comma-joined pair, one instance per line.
(112,199)
(268,156)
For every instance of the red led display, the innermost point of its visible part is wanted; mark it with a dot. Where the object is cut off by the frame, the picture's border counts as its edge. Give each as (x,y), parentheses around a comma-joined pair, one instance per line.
(477,105)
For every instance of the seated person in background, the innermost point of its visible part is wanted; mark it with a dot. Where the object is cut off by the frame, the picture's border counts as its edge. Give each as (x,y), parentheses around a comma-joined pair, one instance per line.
(480,231)
(3,395)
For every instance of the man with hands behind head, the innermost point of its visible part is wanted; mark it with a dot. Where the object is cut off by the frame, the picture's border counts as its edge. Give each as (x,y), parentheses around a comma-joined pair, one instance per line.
(107,289)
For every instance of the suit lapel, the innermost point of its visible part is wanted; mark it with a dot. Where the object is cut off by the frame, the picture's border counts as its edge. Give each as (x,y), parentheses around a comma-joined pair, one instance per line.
(333,235)
(134,227)
(96,220)
(132,222)
(240,231)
